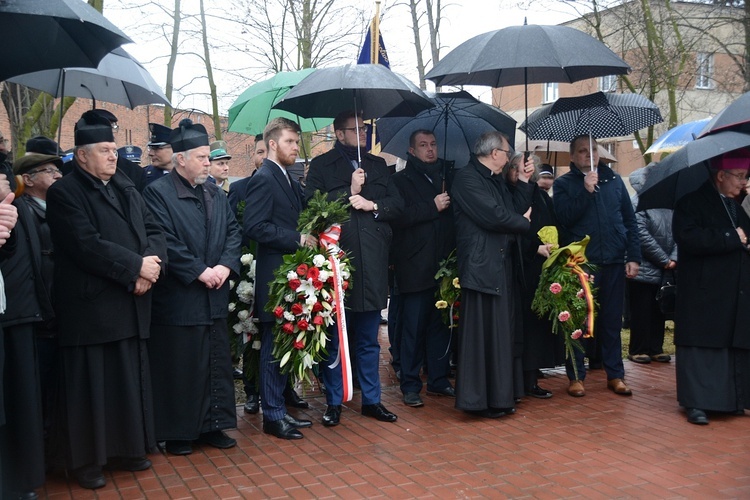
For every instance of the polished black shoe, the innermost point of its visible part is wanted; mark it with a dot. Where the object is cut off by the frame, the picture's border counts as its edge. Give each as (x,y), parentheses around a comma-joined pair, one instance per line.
(332,416)
(291,398)
(448,392)
(132,464)
(281,429)
(297,424)
(217,439)
(90,477)
(696,416)
(26,495)
(412,399)
(491,412)
(179,447)
(237,374)
(379,412)
(253,404)
(538,392)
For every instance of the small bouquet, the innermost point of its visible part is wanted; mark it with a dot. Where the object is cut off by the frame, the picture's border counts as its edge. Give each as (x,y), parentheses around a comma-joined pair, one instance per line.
(449,290)
(303,295)
(241,322)
(565,293)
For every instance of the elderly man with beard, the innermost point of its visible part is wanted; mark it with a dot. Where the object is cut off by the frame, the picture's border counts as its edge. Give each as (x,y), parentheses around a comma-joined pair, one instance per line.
(490,222)
(423,236)
(109,251)
(193,383)
(364,180)
(274,202)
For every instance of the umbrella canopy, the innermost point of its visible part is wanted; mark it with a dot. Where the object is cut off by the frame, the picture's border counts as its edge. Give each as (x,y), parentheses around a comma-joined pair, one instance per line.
(734,116)
(558,152)
(118,79)
(457,120)
(676,137)
(371,89)
(253,109)
(527,54)
(45,34)
(684,171)
(598,115)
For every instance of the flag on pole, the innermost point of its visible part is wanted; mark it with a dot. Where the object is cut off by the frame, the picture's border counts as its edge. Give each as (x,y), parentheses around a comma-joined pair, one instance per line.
(374,54)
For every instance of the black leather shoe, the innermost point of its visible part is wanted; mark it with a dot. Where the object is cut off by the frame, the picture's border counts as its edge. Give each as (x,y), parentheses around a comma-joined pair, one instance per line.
(179,447)
(237,374)
(448,391)
(696,416)
(379,412)
(26,495)
(503,411)
(128,463)
(281,429)
(538,392)
(90,477)
(297,424)
(253,404)
(291,398)
(332,416)
(217,439)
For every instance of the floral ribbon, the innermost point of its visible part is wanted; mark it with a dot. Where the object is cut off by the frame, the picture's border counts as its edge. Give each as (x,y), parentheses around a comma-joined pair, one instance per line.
(329,239)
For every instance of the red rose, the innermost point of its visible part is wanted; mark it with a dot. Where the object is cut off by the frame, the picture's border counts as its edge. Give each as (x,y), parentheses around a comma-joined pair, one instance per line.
(287,328)
(298,344)
(455,317)
(330,280)
(296,308)
(302,324)
(456,304)
(313,273)
(318,320)
(294,284)
(278,311)
(346,285)
(317,307)
(317,284)
(302,269)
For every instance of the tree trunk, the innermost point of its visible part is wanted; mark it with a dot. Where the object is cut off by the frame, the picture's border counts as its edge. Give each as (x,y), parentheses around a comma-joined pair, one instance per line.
(210,74)
(168,110)
(417,42)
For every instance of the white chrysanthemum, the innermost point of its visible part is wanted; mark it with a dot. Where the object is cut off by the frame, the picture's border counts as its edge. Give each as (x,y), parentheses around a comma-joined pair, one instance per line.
(238,328)
(292,275)
(251,272)
(243,315)
(232,306)
(289,297)
(256,345)
(288,316)
(324,275)
(246,259)
(311,300)
(318,260)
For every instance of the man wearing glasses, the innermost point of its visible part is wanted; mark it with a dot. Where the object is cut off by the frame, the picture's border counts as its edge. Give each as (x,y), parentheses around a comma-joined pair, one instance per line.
(159,152)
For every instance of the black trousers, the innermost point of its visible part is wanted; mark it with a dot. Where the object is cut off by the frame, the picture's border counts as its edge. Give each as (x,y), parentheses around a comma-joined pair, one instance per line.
(646,319)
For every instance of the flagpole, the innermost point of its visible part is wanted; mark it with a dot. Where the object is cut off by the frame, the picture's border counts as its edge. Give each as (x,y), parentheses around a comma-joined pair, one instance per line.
(374,59)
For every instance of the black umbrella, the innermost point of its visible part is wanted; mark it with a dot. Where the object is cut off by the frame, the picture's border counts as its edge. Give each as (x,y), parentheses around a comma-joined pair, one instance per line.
(370,89)
(519,55)
(684,171)
(598,115)
(735,116)
(457,120)
(46,34)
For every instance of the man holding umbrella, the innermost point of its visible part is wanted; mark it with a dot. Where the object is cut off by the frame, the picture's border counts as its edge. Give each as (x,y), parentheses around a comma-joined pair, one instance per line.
(592,200)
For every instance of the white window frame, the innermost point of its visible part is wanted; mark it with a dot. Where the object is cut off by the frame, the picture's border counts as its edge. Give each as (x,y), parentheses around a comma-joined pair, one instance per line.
(608,83)
(704,70)
(550,92)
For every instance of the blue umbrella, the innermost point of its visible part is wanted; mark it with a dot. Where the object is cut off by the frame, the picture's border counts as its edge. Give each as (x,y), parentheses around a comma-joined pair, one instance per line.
(676,137)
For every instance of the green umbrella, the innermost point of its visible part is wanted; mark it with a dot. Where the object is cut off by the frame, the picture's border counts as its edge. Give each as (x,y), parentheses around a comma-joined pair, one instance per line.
(252,110)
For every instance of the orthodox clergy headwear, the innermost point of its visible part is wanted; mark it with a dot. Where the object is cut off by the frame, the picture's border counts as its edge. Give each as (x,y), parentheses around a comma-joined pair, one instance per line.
(93,128)
(187,136)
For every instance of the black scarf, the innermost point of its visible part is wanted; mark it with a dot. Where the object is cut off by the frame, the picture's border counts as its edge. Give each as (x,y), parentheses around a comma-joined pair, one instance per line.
(433,171)
(348,152)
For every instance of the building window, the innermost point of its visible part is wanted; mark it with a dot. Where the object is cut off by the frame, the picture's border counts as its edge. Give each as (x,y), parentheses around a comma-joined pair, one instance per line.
(704,70)
(608,83)
(550,92)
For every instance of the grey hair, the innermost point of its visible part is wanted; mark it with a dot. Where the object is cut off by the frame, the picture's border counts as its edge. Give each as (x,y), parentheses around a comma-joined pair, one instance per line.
(185,154)
(489,141)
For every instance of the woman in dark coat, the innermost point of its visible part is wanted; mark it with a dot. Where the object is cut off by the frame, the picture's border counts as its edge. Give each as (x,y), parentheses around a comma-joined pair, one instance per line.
(713,299)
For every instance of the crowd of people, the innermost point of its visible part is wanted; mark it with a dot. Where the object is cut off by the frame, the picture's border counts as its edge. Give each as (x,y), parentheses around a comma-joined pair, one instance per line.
(116,286)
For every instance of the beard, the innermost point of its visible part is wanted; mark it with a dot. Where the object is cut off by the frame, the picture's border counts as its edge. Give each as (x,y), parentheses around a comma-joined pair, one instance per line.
(201,179)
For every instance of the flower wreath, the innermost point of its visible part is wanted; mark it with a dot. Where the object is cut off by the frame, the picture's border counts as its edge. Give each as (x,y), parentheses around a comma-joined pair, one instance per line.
(449,290)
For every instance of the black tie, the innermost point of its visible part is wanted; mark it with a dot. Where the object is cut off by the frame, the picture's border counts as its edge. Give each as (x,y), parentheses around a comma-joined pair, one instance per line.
(732,209)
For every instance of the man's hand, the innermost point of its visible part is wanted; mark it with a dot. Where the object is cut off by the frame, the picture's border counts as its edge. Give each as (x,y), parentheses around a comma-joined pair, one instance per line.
(671,265)
(358,180)
(142,286)
(150,268)
(544,250)
(308,240)
(359,203)
(4,186)
(524,173)
(631,269)
(442,201)
(527,215)
(590,180)
(208,277)
(221,273)
(742,235)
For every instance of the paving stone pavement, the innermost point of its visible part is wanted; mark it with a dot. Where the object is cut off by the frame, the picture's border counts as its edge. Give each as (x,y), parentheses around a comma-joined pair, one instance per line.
(598,446)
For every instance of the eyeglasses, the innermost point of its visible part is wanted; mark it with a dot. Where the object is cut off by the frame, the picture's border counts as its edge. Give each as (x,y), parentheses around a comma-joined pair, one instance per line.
(48,170)
(506,151)
(740,177)
(362,130)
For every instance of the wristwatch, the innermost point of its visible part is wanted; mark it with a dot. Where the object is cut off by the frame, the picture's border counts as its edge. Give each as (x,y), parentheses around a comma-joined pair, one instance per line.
(374,207)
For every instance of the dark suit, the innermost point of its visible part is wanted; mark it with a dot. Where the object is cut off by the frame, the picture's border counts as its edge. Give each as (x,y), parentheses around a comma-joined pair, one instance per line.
(271,221)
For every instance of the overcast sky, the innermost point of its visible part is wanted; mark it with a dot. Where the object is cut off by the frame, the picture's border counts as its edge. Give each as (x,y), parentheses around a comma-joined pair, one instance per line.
(463,19)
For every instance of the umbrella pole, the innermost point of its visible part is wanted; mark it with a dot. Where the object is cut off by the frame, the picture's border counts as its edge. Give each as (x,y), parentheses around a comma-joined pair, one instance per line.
(356,129)
(526,106)
(445,146)
(62,105)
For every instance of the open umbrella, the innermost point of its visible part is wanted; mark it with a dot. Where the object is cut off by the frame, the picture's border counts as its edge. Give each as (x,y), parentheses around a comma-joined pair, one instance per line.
(597,115)
(370,89)
(676,137)
(519,55)
(684,170)
(118,79)
(735,116)
(457,120)
(253,109)
(45,34)
(558,152)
